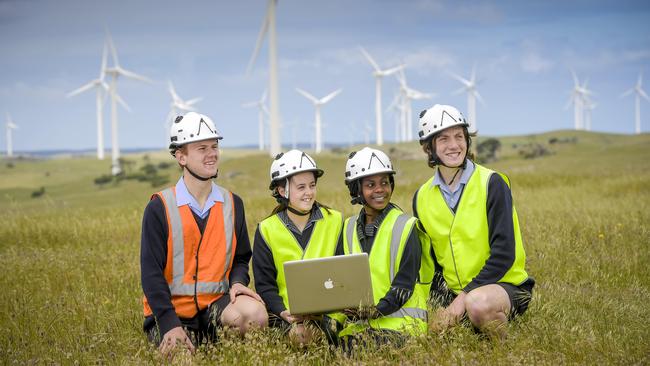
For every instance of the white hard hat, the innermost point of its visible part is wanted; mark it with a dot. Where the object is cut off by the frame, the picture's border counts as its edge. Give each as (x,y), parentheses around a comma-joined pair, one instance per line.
(366,162)
(191,127)
(438,118)
(290,163)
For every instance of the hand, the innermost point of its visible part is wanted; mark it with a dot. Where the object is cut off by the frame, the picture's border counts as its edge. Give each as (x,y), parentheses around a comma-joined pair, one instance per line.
(238,289)
(173,337)
(445,318)
(286,315)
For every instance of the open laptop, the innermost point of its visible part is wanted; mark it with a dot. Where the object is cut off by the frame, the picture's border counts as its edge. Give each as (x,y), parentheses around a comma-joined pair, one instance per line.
(322,285)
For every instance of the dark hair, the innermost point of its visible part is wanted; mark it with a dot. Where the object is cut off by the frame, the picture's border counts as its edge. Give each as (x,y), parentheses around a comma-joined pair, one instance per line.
(428,146)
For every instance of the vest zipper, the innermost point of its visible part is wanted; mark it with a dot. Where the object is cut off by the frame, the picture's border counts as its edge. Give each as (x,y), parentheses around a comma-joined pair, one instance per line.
(453,257)
(196,275)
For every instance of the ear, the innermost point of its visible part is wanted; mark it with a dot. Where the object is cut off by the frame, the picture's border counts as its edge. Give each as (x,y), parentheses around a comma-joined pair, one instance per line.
(180,157)
(280,190)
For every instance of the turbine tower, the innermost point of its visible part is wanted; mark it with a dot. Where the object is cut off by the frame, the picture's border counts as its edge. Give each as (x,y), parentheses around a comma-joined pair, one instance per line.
(262,112)
(379,74)
(177,104)
(580,98)
(102,88)
(639,93)
(10,126)
(469,86)
(115,73)
(317,121)
(268,25)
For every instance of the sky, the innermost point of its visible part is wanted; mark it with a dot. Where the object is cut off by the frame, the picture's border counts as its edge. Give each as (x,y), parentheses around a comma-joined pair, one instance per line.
(523,52)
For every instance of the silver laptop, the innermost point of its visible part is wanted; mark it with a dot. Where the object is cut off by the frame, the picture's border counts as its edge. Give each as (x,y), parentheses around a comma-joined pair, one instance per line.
(322,285)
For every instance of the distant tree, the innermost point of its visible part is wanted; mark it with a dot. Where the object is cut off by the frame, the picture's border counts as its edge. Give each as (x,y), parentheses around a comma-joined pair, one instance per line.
(487,149)
(104,179)
(38,192)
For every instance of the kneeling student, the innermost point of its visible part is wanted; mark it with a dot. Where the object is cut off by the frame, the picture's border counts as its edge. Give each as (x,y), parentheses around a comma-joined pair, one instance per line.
(298,228)
(400,265)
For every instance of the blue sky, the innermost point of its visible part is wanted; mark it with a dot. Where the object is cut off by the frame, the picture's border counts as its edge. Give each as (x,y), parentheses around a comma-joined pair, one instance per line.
(523,51)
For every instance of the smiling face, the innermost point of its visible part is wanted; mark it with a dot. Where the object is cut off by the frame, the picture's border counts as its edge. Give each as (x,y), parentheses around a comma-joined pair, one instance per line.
(302,191)
(376,191)
(201,157)
(451,146)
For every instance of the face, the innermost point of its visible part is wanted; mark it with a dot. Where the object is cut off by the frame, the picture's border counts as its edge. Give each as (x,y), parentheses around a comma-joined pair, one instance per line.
(376,191)
(202,157)
(302,191)
(451,146)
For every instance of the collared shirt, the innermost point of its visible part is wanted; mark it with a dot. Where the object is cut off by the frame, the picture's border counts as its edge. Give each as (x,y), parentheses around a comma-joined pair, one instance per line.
(315,215)
(183,197)
(366,232)
(452,197)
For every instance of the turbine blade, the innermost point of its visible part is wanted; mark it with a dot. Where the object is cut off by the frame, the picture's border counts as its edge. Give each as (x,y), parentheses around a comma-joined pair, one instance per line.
(461,90)
(370,59)
(172,91)
(122,102)
(479,97)
(81,89)
(473,77)
(576,82)
(644,95)
(260,38)
(330,96)
(249,104)
(132,75)
(393,70)
(625,94)
(102,72)
(112,47)
(264,96)
(307,95)
(459,78)
(194,101)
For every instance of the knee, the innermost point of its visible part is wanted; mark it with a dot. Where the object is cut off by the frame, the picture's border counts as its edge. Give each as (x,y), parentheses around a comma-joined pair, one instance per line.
(253,316)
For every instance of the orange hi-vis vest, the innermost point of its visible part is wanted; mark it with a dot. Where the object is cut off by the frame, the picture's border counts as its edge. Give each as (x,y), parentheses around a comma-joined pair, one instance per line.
(197,267)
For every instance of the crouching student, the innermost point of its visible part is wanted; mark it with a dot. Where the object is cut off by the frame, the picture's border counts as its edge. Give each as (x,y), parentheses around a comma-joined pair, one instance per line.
(195,249)
(401,267)
(298,228)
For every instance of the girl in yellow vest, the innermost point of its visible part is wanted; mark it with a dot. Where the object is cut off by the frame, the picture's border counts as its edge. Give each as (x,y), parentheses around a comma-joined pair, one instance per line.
(468,212)
(400,271)
(298,228)
(195,249)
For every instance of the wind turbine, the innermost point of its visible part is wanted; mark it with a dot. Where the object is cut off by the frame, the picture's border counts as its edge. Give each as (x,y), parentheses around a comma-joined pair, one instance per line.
(115,73)
(317,104)
(178,104)
(262,112)
(579,95)
(100,85)
(10,126)
(469,86)
(379,74)
(397,105)
(268,25)
(409,94)
(639,92)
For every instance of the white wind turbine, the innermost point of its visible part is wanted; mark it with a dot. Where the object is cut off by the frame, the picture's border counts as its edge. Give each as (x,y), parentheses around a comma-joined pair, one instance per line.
(317,120)
(379,74)
(177,105)
(639,93)
(262,112)
(397,105)
(469,86)
(100,85)
(115,73)
(268,25)
(10,126)
(579,95)
(409,94)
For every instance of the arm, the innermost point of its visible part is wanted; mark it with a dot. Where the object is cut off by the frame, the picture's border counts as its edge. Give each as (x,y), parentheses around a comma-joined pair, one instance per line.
(265,275)
(501,234)
(438,285)
(153,258)
(243,253)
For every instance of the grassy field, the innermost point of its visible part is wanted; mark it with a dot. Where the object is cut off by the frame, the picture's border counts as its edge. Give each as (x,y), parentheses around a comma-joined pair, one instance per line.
(70,258)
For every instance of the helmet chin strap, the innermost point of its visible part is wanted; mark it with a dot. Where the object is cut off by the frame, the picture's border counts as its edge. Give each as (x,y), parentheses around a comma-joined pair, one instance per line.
(286,197)
(198,176)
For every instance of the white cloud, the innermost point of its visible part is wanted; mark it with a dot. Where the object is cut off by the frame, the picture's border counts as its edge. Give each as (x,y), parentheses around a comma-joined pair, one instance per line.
(531,61)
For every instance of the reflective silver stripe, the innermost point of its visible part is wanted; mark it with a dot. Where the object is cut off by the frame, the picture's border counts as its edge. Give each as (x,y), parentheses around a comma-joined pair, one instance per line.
(349,232)
(177,287)
(395,239)
(228,224)
(412,312)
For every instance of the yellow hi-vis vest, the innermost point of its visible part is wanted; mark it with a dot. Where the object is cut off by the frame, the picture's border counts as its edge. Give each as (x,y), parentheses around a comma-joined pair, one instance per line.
(285,247)
(461,241)
(384,258)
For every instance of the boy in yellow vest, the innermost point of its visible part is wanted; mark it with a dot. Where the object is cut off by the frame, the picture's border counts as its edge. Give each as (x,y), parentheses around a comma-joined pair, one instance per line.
(400,269)
(195,249)
(468,212)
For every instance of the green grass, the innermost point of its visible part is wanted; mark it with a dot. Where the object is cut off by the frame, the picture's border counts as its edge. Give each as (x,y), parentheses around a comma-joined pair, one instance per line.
(70,258)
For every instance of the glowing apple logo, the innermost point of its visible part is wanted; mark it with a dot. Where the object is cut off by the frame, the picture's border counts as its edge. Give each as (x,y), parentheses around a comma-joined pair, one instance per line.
(329,284)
